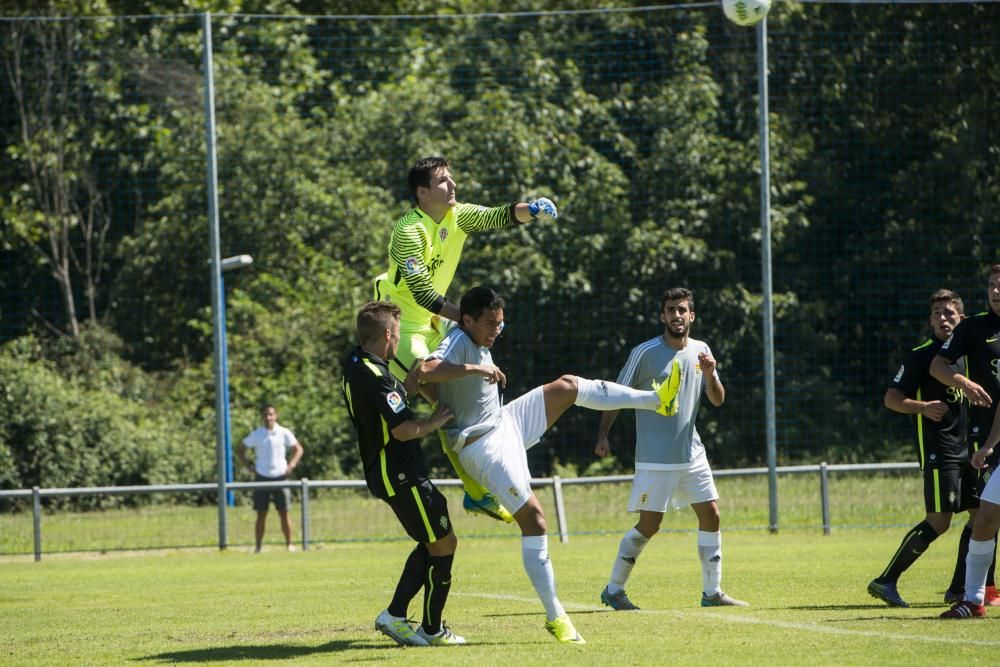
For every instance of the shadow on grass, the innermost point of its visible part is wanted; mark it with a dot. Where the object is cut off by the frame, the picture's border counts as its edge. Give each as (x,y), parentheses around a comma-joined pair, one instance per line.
(263,652)
(870,606)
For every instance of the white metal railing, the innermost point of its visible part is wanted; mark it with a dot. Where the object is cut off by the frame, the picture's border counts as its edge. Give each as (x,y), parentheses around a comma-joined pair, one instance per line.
(556,483)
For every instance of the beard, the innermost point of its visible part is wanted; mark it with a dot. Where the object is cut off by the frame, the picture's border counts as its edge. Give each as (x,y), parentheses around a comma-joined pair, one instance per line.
(677,334)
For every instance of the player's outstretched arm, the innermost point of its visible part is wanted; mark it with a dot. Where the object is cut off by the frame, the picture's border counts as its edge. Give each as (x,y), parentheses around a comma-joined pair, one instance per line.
(439,370)
(537,209)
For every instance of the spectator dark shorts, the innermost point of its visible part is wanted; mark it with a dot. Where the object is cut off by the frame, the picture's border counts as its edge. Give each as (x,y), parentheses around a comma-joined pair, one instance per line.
(262,497)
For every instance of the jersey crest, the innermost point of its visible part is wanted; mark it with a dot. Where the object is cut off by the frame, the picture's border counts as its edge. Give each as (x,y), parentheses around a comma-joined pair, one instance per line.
(442,233)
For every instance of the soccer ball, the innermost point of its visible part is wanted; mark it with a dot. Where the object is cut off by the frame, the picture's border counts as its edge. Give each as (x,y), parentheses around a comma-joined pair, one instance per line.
(746,12)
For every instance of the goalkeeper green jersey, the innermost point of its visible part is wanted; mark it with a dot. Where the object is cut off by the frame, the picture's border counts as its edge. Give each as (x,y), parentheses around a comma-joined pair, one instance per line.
(423,256)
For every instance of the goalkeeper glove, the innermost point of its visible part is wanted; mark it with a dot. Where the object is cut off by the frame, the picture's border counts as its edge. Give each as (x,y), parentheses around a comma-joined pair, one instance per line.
(543,206)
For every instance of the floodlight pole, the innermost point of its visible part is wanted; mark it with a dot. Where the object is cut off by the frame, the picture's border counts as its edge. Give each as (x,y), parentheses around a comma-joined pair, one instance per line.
(218,316)
(228,264)
(766,287)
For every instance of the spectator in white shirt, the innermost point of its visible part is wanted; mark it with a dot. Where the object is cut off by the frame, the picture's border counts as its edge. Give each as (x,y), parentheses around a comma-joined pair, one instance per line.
(271,443)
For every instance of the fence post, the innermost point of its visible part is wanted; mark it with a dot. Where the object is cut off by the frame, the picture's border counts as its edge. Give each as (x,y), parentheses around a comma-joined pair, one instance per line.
(36,510)
(305,514)
(560,509)
(824,492)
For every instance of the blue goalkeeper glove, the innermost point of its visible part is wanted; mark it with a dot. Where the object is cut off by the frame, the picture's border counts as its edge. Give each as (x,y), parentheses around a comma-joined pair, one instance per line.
(544,207)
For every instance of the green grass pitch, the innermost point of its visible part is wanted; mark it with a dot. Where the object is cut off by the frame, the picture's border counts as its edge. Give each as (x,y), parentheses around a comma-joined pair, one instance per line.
(807,592)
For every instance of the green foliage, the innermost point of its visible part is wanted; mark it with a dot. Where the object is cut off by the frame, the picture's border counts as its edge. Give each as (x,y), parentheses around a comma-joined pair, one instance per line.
(641,126)
(78,420)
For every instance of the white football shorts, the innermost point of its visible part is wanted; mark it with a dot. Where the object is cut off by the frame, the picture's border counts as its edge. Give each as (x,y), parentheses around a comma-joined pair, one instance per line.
(498,460)
(991,493)
(656,490)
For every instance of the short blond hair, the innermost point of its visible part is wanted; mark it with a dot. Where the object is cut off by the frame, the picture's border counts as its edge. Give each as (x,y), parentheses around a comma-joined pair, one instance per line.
(374,318)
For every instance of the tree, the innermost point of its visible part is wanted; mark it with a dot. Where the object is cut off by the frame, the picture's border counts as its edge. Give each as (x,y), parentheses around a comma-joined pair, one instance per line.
(58,211)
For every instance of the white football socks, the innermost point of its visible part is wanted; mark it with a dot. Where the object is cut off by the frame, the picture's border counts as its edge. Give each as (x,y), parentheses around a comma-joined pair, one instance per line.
(977,564)
(628,551)
(710,554)
(535,555)
(604,395)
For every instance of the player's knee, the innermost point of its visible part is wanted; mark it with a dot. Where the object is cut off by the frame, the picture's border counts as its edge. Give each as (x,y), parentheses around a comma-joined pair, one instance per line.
(444,546)
(531,520)
(939,521)
(647,530)
(566,384)
(987,521)
(649,526)
(708,516)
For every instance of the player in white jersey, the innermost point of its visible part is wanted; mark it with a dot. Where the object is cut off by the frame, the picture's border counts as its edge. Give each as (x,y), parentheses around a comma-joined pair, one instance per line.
(491,440)
(671,467)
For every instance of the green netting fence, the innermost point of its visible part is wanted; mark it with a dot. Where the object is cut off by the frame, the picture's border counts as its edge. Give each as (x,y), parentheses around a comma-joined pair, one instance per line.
(640,123)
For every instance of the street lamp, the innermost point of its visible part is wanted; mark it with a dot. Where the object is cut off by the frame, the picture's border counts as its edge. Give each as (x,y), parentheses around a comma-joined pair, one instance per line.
(228,264)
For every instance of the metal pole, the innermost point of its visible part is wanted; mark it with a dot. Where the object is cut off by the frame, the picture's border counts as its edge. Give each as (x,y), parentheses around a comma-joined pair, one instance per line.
(218,321)
(36,511)
(560,509)
(824,494)
(228,264)
(305,514)
(227,447)
(765,247)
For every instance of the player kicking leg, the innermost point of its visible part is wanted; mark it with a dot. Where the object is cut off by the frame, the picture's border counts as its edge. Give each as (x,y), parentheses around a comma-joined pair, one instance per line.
(499,459)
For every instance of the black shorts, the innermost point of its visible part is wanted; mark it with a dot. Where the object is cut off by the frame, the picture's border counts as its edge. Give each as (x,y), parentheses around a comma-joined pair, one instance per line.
(422,511)
(262,497)
(951,488)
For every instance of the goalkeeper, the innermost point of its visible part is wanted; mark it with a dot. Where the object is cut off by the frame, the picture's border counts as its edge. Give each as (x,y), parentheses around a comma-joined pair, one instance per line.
(424,250)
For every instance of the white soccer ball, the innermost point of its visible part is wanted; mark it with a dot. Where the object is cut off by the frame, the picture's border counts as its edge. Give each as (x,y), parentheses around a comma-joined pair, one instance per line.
(746,12)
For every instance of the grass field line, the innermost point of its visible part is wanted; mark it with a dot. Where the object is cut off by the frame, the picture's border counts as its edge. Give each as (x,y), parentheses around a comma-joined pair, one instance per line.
(736,618)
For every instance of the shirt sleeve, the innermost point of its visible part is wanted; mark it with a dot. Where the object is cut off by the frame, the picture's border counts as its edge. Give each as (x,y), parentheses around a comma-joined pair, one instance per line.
(454,349)
(407,248)
(248,441)
(474,218)
(908,377)
(390,402)
(953,348)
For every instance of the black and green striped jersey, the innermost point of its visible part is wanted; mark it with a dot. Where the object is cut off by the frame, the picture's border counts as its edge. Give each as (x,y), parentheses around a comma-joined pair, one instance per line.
(977,340)
(377,404)
(424,255)
(940,442)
